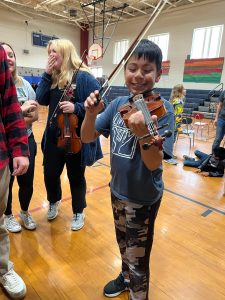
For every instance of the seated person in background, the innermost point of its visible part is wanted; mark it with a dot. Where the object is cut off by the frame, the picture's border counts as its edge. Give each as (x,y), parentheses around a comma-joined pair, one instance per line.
(208,164)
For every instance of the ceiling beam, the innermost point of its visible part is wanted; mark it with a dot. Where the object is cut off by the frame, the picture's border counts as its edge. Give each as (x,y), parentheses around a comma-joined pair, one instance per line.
(16,10)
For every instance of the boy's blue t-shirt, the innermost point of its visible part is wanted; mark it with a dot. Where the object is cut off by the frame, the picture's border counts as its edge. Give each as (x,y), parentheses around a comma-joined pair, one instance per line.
(131,179)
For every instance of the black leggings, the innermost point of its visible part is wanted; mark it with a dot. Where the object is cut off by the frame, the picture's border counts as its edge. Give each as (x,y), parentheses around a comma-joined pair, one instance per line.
(54,161)
(25,181)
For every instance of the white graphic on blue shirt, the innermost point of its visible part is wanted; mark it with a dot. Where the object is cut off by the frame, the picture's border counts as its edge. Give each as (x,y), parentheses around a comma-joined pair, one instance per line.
(124,142)
(21,95)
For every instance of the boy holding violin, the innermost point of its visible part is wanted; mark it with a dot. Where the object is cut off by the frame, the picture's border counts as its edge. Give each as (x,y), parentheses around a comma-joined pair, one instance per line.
(136,169)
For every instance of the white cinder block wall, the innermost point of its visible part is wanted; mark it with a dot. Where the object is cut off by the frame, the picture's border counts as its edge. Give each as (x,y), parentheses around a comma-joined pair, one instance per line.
(14,30)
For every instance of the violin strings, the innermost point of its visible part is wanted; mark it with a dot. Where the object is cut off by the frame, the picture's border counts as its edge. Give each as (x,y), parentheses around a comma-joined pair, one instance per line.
(147,117)
(141,105)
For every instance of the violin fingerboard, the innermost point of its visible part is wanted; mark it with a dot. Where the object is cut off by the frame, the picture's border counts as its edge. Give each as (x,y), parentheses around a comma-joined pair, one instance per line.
(140,104)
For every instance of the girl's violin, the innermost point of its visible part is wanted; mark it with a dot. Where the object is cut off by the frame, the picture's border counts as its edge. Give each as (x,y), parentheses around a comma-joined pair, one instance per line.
(67,124)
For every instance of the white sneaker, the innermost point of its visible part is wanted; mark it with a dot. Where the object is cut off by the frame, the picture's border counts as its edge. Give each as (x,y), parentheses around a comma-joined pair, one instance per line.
(77,221)
(13,284)
(53,210)
(12,224)
(28,221)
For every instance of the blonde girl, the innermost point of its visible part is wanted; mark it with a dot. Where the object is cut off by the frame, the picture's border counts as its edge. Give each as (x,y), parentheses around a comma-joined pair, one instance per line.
(177,100)
(63,61)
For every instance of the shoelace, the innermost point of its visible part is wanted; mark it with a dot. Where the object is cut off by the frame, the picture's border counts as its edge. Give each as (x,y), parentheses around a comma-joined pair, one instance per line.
(77,217)
(12,220)
(51,206)
(28,219)
(10,278)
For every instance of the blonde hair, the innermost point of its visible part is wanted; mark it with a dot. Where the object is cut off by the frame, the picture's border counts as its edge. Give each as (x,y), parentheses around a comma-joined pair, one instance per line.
(177,92)
(70,62)
(15,76)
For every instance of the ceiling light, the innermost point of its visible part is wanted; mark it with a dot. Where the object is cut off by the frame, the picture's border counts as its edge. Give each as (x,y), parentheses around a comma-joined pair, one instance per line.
(73,12)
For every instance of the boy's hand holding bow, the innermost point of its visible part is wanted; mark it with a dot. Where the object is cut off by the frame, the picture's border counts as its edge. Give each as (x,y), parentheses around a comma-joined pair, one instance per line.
(93,105)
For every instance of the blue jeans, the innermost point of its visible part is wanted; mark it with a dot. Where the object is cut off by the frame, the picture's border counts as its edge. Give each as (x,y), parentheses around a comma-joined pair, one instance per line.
(196,163)
(220,132)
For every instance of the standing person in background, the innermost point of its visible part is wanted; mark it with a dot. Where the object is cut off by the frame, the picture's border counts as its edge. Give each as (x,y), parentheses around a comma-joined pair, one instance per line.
(177,100)
(13,141)
(219,122)
(136,184)
(63,61)
(26,97)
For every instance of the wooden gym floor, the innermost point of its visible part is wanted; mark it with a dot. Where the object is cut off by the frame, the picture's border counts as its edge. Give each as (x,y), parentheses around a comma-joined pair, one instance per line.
(188,256)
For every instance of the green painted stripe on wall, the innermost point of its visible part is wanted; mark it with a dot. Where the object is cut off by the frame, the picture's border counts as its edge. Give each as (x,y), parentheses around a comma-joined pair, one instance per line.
(211,78)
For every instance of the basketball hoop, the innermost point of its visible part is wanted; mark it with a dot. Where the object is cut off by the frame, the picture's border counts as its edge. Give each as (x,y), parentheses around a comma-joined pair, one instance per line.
(94,52)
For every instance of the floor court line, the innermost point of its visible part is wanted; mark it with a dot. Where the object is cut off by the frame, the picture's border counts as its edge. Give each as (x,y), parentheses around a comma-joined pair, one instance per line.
(204,214)
(197,202)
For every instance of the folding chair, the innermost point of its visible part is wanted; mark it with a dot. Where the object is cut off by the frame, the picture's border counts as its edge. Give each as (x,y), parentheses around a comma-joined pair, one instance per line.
(198,123)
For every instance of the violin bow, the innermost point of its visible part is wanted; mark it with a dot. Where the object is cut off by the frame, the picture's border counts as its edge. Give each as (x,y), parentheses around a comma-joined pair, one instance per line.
(157,10)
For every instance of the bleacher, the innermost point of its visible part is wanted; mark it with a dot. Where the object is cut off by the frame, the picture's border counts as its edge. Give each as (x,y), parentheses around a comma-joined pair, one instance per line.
(196,100)
(209,104)
(115,91)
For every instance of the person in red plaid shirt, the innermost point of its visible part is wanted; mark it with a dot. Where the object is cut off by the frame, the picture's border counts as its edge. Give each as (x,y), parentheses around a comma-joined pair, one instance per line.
(14,143)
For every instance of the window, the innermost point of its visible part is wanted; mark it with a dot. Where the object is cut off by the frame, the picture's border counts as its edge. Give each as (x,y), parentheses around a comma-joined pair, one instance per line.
(97,71)
(120,48)
(206,42)
(162,40)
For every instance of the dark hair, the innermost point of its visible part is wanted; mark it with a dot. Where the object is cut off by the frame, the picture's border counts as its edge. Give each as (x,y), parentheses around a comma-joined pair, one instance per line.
(149,51)
(219,152)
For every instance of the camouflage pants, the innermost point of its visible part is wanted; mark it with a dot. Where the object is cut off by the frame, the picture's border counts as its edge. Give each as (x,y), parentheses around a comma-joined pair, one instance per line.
(134,225)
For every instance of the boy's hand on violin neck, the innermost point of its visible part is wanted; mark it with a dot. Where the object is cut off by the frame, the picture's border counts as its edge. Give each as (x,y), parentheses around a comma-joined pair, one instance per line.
(90,104)
(67,107)
(137,124)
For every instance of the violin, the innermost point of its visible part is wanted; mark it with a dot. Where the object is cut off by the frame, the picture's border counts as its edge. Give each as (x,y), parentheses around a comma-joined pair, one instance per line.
(154,104)
(67,124)
(148,105)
